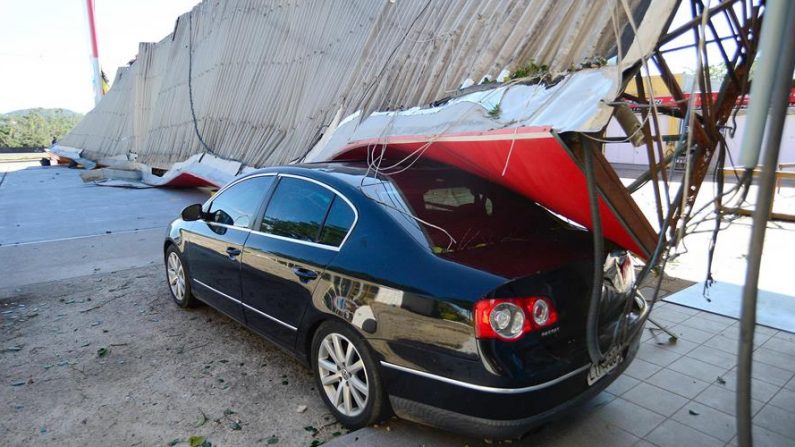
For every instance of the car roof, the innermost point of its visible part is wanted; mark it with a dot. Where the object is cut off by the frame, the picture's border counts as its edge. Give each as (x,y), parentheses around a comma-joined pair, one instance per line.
(350,172)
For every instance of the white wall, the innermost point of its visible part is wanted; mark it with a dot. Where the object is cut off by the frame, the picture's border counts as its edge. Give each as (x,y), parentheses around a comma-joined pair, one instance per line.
(626,153)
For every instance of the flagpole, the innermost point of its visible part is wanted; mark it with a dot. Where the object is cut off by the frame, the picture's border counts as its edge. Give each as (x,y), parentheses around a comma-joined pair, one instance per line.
(92,29)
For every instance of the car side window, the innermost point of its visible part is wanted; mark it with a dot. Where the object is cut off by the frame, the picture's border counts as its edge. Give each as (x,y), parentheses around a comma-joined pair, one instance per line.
(238,204)
(338,223)
(297,209)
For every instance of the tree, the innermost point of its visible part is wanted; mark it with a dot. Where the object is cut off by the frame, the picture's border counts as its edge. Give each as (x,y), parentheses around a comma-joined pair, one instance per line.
(35,128)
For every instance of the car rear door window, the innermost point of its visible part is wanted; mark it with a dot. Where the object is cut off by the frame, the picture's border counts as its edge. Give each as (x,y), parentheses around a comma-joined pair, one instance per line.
(338,223)
(238,204)
(297,209)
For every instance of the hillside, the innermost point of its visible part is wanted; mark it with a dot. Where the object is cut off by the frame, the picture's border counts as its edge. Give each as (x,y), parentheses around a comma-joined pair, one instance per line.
(35,128)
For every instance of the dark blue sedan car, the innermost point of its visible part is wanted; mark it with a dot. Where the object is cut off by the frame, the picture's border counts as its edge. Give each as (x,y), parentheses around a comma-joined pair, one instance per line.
(424,291)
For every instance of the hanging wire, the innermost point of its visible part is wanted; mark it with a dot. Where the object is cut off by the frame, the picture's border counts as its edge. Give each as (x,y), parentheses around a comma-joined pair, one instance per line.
(190,85)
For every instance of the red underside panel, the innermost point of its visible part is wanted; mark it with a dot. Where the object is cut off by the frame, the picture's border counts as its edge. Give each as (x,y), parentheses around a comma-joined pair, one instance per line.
(186,180)
(539,168)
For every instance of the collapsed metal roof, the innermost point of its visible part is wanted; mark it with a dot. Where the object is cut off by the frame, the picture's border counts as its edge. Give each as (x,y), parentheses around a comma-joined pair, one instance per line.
(261,82)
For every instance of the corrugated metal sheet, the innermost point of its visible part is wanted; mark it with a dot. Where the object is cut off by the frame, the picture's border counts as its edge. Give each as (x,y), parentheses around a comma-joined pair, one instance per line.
(268,78)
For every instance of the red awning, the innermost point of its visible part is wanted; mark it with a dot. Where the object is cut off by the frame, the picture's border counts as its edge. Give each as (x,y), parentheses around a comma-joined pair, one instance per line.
(534,162)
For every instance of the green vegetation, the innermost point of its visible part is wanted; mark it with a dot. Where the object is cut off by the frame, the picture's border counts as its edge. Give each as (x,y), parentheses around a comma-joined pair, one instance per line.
(495,111)
(35,128)
(531,70)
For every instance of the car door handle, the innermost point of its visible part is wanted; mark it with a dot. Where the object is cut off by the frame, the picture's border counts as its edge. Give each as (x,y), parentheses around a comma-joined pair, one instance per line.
(304,275)
(232,252)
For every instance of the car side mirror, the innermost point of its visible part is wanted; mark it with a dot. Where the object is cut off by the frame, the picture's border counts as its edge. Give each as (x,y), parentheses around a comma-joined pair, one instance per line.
(192,212)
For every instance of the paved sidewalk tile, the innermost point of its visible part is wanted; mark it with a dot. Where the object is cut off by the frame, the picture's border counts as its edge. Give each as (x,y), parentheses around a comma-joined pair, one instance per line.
(700,370)
(678,383)
(721,398)
(777,420)
(669,314)
(775,358)
(675,434)
(765,438)
(622,384)
(760,389)
(691,334)
(780,345)
(707,324)
(784,399)
(680,346)
(714,356)
(726,344)
(788,336)
(631,417)
(708,420)
(655,399)
(641,369)
(653,353)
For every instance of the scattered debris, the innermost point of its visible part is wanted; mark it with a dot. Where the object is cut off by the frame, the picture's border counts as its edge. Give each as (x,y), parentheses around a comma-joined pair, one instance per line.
(201,421)
(693,412)
(235,425)
(721,380)
(273,440)
(16,348)
(103,352)
(199,441)
(18,383)
(300,409)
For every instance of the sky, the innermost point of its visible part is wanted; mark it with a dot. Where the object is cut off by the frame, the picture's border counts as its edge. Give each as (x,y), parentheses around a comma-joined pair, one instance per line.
(45,55)
(45,51)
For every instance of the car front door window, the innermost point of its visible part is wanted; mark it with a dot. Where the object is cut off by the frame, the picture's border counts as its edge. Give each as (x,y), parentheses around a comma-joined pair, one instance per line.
(237,205)
(297,210)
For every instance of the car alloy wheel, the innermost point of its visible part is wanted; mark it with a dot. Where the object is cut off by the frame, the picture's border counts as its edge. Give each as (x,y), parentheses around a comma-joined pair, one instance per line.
(176,276)
(343,375)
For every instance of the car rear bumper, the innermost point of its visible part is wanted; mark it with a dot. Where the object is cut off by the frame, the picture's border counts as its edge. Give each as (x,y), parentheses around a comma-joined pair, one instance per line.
(499,413)
(481,427)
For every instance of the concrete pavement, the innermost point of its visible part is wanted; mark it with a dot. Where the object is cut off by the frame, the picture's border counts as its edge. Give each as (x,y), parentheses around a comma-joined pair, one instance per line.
(53,226)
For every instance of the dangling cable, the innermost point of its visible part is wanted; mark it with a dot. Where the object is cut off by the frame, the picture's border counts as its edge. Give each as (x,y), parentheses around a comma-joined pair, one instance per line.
(190,85)
(592,326)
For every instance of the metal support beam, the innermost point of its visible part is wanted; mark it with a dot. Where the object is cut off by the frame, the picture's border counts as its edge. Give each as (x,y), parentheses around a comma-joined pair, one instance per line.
(773,82)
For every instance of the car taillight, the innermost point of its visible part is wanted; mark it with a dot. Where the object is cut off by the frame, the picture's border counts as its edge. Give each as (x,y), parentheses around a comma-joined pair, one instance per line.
(510,318)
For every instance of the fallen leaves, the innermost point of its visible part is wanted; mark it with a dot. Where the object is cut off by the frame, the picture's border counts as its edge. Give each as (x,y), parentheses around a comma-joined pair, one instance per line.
(199,441)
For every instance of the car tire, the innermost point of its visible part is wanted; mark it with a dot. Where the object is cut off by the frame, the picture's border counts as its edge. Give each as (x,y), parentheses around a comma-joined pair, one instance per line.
(177,278)
(342,383)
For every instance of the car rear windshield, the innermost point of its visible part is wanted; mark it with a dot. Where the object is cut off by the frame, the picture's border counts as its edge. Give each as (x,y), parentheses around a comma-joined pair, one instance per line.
(455,211)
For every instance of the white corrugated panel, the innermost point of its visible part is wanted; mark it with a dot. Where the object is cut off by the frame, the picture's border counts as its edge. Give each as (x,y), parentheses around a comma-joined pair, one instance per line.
(269,77)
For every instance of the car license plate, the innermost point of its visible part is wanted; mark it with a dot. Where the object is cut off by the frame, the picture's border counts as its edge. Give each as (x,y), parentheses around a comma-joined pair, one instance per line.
(603,368)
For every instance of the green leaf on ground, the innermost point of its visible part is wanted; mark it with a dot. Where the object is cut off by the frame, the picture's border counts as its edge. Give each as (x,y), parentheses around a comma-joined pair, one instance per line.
(235,426)
(273,440)
(199,441)
(103,352)
(202,420)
